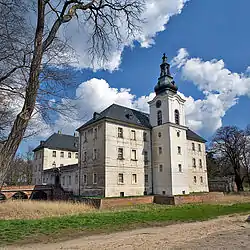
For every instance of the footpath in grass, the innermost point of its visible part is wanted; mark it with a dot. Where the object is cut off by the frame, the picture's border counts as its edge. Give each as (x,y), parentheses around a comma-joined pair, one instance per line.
(12,231)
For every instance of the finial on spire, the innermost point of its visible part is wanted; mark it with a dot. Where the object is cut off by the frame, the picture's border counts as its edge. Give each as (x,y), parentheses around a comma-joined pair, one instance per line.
(164,58)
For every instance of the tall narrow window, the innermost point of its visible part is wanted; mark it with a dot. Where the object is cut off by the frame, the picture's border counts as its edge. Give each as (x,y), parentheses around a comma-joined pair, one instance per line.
(201,179)
(144,136)
(69,180)
(69,154)
(62,154)
(159,117)
(145,158)
(193,146)
(146,178)
(94,178)
(161,168)
(200,163)
(85,156)
(85,179)
(76,155)
(94,154)
(76,178)
(180,168)
(120,154)
(160,150)
(54,154)
(134,178)
(199,147)
(133,135)
(195,179)
(120,132)
(95,133)
(85,137)
(194,163)
(179,150)
(133,155)
(120,179)
(177,116)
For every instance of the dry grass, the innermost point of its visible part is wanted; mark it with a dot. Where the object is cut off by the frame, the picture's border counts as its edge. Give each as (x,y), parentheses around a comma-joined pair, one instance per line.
(232,199)
(27,209)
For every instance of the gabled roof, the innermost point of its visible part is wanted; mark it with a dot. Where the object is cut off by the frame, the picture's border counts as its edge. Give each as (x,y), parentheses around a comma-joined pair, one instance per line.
(61,142)
(122,114)
(192,136)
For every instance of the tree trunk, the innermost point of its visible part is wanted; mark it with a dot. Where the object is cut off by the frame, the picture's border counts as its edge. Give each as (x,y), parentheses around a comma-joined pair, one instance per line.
(10,147)
(238,180)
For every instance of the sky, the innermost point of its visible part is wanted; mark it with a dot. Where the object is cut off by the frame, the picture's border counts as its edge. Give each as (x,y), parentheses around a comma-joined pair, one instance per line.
(207,43)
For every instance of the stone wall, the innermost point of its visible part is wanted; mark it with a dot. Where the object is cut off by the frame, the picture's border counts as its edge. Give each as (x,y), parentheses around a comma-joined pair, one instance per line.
(189,199)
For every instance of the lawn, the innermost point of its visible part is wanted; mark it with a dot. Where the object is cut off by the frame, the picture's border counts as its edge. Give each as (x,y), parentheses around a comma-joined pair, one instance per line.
(44,229)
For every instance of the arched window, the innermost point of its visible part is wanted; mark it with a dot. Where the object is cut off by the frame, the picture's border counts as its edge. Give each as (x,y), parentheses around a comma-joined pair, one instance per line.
(177,116)
(159,118)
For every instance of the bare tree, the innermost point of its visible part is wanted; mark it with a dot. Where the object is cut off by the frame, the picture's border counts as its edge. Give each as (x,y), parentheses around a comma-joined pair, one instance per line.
(104,17)
(229,143)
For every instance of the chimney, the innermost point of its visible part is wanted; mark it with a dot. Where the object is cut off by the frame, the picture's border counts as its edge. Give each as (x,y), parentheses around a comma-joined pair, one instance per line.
(95,115)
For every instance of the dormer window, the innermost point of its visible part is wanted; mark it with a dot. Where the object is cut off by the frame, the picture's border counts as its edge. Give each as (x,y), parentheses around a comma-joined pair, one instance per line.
(177,117)
(159,118)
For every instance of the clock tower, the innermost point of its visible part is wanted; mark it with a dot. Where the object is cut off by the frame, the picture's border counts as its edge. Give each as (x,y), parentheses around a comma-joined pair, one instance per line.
(169,141)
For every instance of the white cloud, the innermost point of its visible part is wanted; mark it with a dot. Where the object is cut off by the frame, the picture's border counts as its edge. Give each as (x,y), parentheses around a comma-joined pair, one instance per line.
(220,86)
(94,96)
(156,16)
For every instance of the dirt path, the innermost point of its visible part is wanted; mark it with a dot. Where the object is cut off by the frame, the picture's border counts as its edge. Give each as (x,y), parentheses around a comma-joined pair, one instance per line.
(229,232)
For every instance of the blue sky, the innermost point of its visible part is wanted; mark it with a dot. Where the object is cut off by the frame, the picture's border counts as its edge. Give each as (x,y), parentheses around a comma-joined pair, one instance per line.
(207,29)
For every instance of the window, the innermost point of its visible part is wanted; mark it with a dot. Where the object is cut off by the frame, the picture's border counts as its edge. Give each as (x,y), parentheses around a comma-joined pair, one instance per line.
(94,154)
(144,136)
(134,178)
(179,150)
(63,180)
(199,147)
(122,194)
(95,133)
(200,163)
(160,150)
(159,118)
(69,154)
(133,135)
(183,192)
(85,137)
(146,178)
(62,154)
(159,134)
(145,158)
(120,154)
(133,155)
(194,163)
(54,154)
(195,179)
(193,146)
(161,168)
(76,179)
(94,178)
(76,155)
(120,179)
(69,180)
(178,133)
(163,192)
(85,156)
(177,116)
(85,179)
(201,179)
(120,132)
(61,165)
(180,168)
(54,164)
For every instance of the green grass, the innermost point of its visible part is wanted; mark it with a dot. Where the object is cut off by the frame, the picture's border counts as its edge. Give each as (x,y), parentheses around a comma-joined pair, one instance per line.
(13,231)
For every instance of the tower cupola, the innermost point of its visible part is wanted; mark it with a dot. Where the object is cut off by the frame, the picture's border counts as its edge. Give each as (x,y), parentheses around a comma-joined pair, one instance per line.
(165,81)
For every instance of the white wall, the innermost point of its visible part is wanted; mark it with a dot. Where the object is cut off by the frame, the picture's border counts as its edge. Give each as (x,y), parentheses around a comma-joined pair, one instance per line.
(197,171)
(127,167)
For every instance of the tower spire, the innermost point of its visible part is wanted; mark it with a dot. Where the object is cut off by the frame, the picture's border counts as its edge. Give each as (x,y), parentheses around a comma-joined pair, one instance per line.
(165,81)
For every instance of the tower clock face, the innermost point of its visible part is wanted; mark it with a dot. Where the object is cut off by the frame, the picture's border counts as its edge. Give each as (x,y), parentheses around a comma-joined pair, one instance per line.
(158,104)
